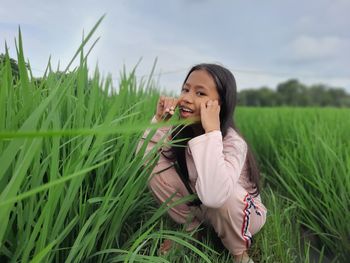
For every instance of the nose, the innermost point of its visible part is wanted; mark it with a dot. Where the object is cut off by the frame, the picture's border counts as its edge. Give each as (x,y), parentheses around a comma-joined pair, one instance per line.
(187,97)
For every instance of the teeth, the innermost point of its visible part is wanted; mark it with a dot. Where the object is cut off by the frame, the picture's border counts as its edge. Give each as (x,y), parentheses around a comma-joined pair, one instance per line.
(185,109)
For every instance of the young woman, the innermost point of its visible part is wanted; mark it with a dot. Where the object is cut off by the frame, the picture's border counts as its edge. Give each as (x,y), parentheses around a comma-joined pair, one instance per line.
(213,161)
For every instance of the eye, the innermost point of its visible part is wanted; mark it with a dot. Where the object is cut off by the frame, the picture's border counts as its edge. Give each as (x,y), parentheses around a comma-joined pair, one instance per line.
(184,90)
(199,93)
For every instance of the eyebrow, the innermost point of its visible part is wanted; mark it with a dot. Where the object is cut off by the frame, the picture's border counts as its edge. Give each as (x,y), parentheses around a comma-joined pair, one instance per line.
(197,86)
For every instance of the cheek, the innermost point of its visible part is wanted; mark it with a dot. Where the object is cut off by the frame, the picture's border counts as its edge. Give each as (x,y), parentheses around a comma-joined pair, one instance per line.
(198,104)
(202,100)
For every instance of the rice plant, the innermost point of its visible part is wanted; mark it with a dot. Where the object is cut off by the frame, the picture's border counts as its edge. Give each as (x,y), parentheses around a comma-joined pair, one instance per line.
(306,156)
(73,188)
(71,184)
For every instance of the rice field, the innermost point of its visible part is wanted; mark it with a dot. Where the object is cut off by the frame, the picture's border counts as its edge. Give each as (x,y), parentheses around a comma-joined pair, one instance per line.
(73,188)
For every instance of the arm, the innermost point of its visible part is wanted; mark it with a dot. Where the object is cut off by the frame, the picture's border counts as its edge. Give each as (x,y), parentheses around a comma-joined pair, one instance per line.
(161,134)
(219,164)
(165,109)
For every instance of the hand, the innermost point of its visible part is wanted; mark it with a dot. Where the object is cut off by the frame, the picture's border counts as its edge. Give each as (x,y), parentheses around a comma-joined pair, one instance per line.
(166,108)
(210,115)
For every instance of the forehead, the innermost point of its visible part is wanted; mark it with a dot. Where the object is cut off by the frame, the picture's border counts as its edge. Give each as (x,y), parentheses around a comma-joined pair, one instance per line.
(201,78)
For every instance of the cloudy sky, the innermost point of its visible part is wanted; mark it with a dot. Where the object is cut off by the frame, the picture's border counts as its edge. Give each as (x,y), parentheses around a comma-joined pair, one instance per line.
(262,42)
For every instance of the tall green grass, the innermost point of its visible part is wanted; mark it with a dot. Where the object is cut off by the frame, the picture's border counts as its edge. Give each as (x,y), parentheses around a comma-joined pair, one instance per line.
(72,188)
(306,157)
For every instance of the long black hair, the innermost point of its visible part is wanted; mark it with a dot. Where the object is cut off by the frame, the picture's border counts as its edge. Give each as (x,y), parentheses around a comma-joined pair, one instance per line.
(226,86)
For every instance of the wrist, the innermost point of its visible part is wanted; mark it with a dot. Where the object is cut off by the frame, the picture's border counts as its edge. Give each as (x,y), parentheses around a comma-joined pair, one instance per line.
(158,119)
(211,129)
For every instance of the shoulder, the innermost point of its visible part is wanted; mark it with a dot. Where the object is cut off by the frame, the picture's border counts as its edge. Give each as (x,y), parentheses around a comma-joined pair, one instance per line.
(234,140)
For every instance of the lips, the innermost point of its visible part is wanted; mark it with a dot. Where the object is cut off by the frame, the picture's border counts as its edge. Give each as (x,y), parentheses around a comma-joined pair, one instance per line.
(185,109)
(185,112)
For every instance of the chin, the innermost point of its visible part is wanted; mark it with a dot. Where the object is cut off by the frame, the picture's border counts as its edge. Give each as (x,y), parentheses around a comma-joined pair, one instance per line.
(195,119)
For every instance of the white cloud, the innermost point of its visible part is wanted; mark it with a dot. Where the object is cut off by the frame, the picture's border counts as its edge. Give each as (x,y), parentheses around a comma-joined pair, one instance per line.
(180,36)
(308,48)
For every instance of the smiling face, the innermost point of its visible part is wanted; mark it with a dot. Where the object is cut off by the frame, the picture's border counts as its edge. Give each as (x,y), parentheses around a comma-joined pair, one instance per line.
(199,87)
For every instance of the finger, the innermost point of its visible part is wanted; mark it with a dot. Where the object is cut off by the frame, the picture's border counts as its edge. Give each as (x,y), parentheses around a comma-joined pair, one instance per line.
(216,105)
(166,111)
(167,104)
(161,101)
(174,104)
(203,107)
(170,103)
(209,103)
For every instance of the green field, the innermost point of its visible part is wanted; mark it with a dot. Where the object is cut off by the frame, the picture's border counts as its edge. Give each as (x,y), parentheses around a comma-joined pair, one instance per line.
(72,188)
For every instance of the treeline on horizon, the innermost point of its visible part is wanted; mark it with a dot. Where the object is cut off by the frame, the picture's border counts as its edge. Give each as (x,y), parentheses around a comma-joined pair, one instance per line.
(294,93)
(288,93)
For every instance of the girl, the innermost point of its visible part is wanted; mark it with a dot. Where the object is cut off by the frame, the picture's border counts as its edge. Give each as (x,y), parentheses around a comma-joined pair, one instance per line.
(213,161)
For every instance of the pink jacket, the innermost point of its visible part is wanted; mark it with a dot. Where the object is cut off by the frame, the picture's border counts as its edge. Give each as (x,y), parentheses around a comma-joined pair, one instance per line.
(215,165)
